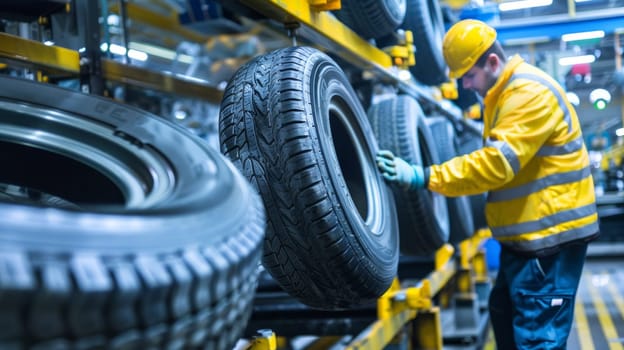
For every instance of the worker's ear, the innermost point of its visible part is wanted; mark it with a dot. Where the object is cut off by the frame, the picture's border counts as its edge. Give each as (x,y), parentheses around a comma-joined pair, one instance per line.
(494,63)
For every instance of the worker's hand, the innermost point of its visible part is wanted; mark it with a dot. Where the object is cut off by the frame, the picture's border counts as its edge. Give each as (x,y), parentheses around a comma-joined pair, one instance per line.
(396,170)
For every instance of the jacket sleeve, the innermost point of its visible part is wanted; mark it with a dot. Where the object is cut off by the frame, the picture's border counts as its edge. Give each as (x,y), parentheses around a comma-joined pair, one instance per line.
(528,115)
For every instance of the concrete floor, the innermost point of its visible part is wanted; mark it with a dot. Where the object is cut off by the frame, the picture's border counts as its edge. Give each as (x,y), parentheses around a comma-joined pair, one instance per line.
(599,311)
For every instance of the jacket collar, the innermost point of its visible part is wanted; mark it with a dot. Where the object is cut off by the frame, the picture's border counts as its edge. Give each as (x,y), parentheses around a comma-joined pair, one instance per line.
(501,82)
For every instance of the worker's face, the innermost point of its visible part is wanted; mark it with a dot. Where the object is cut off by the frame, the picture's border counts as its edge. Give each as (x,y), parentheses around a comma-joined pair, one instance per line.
(481,79)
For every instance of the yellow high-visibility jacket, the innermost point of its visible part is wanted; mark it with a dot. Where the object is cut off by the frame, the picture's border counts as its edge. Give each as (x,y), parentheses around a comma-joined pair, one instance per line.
(533,163)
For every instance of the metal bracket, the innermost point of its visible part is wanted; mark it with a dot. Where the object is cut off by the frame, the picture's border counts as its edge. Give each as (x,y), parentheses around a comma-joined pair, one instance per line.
(265,340)
(291,29)
(91,77)
(325,5)
(449,90)
(403,54)
(411,310)
(401,314)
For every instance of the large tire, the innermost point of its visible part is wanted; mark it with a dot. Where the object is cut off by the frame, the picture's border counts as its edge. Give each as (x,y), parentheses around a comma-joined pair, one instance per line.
(460,210)
(118,229)
(424,19)
(399,125)
(292,123)
(372,18)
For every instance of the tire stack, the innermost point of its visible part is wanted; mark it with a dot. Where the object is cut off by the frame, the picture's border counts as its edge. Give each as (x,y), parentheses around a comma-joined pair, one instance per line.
(400,126)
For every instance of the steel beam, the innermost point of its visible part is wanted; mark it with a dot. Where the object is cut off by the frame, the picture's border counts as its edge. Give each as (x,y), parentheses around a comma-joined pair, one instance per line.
(33,52)
(552,27)
(55,58)
(326,30)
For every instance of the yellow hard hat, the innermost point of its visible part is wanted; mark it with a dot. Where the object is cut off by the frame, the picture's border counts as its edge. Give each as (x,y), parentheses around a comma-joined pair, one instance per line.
(464,43)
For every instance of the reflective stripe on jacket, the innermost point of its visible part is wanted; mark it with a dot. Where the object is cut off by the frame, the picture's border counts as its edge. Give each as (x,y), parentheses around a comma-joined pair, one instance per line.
(534,164)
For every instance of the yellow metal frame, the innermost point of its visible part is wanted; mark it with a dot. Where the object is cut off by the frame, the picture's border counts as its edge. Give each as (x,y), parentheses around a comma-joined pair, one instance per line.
(265,340)
(403,56)
(55,58)
(325,5)
(311,13)
(472,262)
(329,33)
(351,46)
(33,52)
(409,311)
(169,23)
(398,306)
(136,76)
(612,155)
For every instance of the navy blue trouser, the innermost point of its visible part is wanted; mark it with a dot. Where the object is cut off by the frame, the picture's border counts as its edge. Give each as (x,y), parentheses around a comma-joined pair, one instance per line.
(532,302)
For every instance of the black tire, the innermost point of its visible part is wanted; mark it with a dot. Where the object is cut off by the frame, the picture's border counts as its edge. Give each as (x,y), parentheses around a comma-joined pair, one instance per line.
(399,125)
(424,19)
(118,229)
(372,18)
(460,211)
(291,122)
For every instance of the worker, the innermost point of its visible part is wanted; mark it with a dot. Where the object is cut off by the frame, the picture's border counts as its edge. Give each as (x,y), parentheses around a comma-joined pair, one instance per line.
(535,168)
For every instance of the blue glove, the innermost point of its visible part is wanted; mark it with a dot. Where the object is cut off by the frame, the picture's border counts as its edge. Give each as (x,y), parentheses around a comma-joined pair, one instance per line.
(396,170)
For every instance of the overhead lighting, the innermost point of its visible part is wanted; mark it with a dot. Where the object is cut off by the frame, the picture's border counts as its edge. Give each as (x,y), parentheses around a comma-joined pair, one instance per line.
(527,41)
(120,50)
(572,60)
(619,132)
(113,20)
(522,4)
(595,34)
(573,98)
(137,55)
(161,52)
(600,98)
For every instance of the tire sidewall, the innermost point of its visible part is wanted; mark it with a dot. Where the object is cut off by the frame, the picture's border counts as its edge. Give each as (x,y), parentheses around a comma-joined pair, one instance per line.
(209,187)
(381,242)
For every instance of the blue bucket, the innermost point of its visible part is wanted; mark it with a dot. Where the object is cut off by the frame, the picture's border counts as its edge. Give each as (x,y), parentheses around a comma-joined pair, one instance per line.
(492,253)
